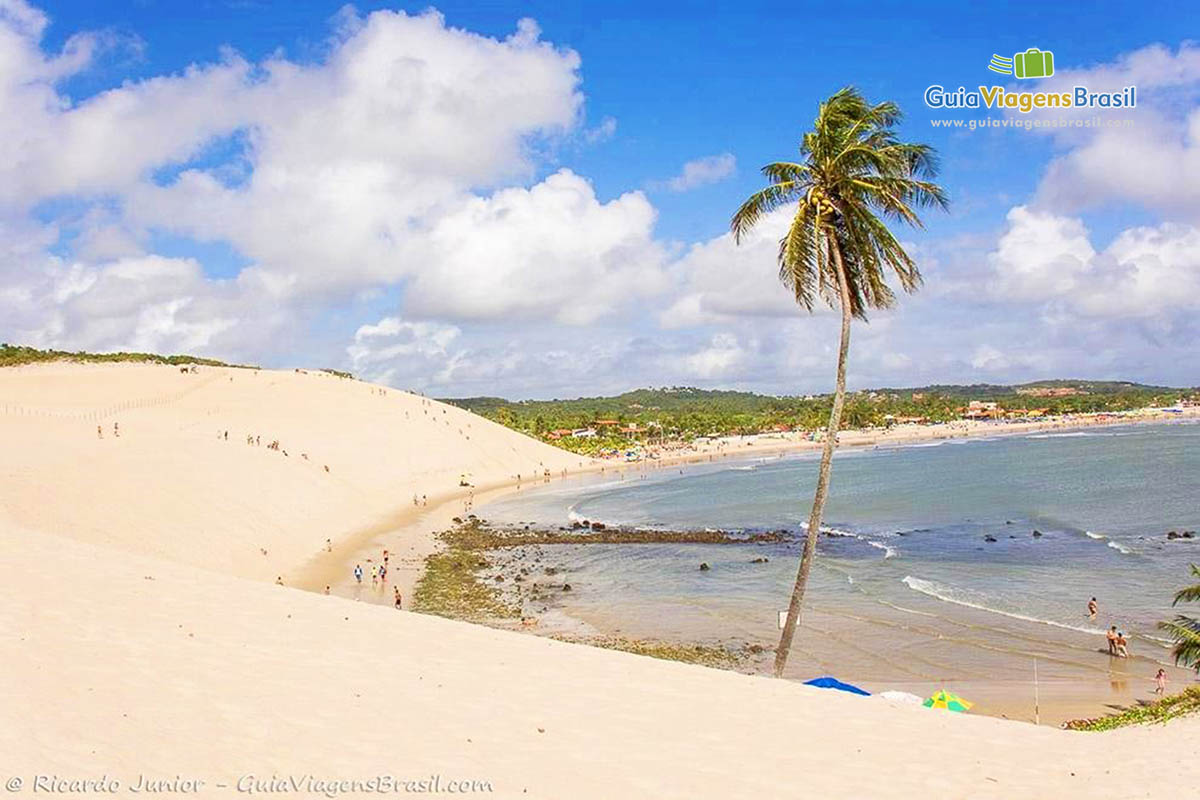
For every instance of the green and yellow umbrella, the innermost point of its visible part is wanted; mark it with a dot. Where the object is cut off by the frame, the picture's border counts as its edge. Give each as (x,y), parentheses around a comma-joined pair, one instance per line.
(947,700)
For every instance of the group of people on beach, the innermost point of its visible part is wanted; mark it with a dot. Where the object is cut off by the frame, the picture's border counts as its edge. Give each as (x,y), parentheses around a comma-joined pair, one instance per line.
(1118,646)
(379,579)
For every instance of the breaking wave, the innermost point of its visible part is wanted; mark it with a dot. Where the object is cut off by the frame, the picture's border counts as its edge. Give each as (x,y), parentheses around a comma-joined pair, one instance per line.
(976,600)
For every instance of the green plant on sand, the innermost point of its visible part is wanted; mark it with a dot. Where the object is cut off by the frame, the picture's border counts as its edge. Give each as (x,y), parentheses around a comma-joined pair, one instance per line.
(1178,705)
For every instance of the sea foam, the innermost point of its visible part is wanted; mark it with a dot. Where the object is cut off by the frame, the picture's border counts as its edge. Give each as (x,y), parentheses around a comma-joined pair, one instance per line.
(964,597)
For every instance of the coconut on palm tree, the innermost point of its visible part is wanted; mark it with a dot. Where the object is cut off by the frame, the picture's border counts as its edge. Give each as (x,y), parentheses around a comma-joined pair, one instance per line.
(1185,630)
(854,176)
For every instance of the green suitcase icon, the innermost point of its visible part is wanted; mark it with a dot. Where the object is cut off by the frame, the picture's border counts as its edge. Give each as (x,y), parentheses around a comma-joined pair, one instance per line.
(1034,63)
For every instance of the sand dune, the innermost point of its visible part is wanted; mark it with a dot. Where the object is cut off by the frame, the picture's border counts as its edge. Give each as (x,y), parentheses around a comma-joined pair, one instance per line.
(172,486)
(134,643)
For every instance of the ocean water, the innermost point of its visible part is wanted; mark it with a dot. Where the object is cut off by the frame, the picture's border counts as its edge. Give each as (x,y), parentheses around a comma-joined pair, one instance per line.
(908,572)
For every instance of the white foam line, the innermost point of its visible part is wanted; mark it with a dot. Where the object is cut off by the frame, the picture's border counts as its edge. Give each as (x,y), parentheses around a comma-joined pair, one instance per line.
(928,588)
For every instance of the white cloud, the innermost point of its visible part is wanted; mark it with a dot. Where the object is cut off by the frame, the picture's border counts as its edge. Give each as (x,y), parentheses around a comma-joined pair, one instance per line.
(701,172)
(602,132)
(720,358)
(1154,160)
(392,350)
(1041,255)
(1145,272)
(552,250)
(397,180)
(721,281)
(380,165)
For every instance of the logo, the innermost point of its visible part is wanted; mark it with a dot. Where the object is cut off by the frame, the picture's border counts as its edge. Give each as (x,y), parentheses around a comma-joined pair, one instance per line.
(1033,63)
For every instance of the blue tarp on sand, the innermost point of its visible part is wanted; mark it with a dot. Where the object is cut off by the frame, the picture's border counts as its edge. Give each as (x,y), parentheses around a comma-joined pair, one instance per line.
(829,682)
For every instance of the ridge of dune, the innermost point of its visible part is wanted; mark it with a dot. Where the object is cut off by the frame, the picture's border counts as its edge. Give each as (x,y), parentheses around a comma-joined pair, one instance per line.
(171,485)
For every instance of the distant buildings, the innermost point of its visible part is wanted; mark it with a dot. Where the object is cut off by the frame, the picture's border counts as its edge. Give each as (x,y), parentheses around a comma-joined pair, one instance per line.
(978,409)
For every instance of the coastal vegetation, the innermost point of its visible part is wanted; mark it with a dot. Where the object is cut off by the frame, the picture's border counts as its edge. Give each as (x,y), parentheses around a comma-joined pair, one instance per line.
(16,355)
(1185,630)
(684,413)
(1178,705)
(854,175)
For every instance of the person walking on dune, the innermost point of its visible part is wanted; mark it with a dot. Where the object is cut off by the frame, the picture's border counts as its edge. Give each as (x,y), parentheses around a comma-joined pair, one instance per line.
(358,573)
(398,599)
(99,432)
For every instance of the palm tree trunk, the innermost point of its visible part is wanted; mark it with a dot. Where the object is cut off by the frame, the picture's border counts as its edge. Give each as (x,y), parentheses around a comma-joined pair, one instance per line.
(818,506)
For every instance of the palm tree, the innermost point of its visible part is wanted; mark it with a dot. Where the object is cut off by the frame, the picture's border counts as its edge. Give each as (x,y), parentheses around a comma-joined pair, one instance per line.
(1185,630)
(853,175)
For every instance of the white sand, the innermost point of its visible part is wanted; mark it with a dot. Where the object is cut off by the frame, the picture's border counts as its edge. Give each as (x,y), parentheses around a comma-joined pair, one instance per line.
(121,657)
(170,487)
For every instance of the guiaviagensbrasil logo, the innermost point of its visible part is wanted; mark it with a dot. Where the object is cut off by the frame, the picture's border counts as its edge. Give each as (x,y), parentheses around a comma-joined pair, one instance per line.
(1033,63)
(1030,64)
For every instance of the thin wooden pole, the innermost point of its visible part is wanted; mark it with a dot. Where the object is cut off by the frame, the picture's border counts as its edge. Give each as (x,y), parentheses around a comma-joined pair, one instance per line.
(1037,713)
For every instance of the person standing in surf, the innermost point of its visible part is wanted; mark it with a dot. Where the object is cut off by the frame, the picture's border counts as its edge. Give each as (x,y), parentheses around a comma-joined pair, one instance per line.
(1093,608)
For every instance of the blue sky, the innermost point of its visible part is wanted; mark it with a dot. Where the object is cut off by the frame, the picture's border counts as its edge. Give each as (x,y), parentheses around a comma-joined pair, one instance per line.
(630,95)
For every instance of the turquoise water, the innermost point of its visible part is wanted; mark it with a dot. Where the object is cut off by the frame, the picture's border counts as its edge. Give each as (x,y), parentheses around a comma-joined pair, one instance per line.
(911,524)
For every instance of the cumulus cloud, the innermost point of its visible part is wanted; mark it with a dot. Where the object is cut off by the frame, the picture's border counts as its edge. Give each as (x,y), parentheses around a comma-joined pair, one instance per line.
(1153,159)
(721,280)
(701,172)
(1146,271)
(396,205)
(389,162)
(553,250)
(393,350)
(720,358)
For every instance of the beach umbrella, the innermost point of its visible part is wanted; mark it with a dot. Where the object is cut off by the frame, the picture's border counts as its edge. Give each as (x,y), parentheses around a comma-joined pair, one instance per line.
(947,700)
(830,682)
(901,697)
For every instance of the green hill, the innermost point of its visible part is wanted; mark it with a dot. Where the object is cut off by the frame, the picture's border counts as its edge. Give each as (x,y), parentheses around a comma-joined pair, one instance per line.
(685,412)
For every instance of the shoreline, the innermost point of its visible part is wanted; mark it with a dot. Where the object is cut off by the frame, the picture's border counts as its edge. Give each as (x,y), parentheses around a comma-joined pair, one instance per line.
(1086,693)
(412,531)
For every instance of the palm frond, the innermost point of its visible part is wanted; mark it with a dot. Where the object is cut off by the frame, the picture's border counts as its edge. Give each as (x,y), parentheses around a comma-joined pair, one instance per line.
(1185,631)
(854,175)
(761,203)
(1189,594)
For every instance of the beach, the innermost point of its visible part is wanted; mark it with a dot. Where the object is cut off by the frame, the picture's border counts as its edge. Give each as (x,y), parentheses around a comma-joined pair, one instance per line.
(144,635)
(964,562)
